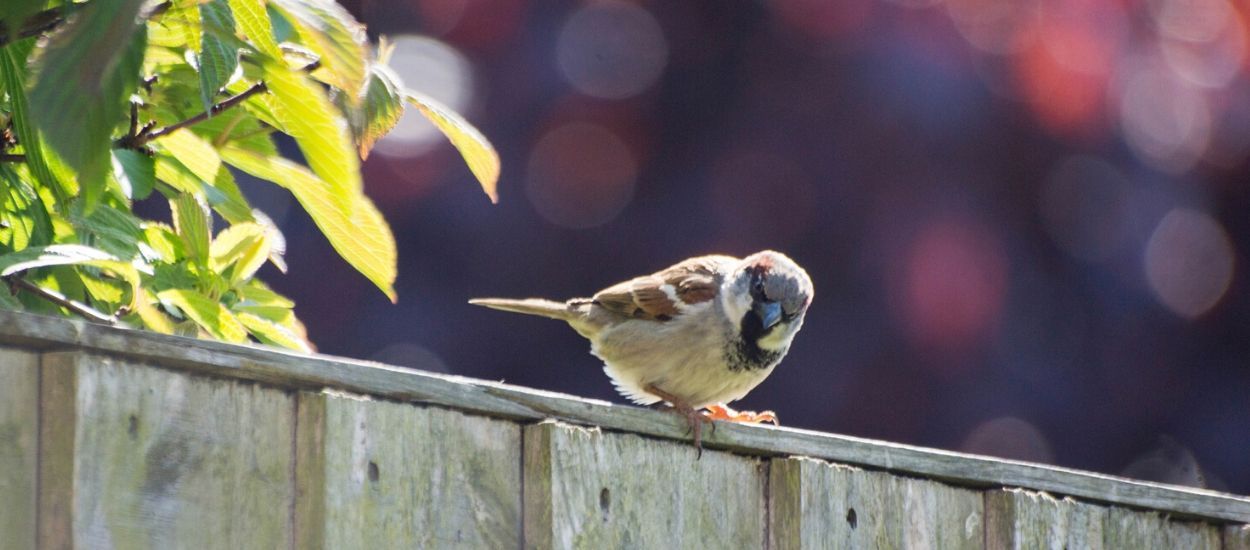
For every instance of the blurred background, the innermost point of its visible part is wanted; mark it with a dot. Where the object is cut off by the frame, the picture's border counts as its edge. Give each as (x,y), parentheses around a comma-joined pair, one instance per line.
(1026,221)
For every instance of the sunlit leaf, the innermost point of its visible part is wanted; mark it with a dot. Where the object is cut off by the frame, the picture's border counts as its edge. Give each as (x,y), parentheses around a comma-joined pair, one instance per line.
(319,130)
(252,20)
(88,71)
(338,40)
(218,58)
(361,236)
(26,222)
(214,180)
(210,315)
(478,153)
(113,231)
(243,247)
(69,254)
(13,71)
(380,109)
(192,220)
(272,333)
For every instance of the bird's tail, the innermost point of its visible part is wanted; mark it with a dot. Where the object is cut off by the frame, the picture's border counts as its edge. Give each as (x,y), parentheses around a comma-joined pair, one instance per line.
(531,306)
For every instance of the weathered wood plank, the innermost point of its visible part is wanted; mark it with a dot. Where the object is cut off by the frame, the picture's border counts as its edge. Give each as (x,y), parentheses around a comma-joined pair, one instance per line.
(139,457)
(19,432)
(585,488)
(817,505)
(1016,518)
(375,474)
(1236,537)
(1136,529)
(292,370)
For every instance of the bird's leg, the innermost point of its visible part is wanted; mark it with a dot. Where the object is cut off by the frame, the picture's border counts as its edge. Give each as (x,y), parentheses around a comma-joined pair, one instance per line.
(720,411)
(694,418)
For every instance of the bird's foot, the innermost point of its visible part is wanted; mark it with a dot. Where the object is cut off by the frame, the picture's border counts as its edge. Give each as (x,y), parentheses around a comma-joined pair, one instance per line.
(695,418)
(721,412)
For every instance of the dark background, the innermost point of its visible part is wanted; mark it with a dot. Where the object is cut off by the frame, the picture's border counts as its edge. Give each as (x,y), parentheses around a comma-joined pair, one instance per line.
(1026,221)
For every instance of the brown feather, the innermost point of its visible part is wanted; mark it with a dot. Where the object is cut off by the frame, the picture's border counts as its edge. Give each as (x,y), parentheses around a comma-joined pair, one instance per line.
(692,281)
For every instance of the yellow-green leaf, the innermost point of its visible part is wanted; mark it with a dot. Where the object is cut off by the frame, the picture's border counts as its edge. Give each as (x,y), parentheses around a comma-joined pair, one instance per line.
(338,40)
(478,153)
(192,219)
(242,245)
(360,236)
(318,128)
(252,21)
(272,333)
(380,109)
(210,315)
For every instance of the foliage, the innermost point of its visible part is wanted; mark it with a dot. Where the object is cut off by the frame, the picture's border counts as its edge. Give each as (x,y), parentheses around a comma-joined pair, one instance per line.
(107,102)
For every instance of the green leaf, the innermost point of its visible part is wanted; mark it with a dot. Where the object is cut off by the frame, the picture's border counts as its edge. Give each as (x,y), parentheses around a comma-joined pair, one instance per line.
(256,294)
(26,221)
(218,58)
(243,247)
(318,129)
(210,315)
(252,20)
(380,109)
(202,160)
(478,153)
(13,71)
(272,333)
(113,231)
(87,73)
(68,254)
(360,236)
(163,244)
(338,40)
(135,172)
(192,219)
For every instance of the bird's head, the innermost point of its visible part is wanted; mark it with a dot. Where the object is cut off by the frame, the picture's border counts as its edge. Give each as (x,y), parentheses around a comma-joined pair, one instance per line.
(767,295)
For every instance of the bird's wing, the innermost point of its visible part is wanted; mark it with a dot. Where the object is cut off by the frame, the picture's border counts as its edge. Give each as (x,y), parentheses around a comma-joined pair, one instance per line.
(662,295)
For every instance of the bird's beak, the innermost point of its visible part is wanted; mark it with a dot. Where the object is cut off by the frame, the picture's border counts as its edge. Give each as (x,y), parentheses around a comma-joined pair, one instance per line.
(768,312)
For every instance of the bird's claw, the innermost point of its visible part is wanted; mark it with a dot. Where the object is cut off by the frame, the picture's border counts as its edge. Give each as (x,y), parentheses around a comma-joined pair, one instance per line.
(721,412)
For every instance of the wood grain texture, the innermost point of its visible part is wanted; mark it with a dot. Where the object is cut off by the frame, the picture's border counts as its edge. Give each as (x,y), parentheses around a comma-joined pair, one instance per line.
(375,474)
(585,488)
(1236,537)
(1016,518)
(138,457)
(292,370)
(1138,529)
(19,435)
(816,505)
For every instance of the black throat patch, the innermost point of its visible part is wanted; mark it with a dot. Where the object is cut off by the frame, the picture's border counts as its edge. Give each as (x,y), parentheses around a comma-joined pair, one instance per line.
(744,352)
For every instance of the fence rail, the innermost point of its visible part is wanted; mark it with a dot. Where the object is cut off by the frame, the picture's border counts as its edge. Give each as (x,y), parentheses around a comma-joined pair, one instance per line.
(112,438)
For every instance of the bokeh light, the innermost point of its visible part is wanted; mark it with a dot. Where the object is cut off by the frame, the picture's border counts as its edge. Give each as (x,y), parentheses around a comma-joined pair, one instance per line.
(954,286)
(580,175)
(1166,121)
(996,27)
(1008,437)
(437,70)
(413,356)
(611,50)
(1189,262)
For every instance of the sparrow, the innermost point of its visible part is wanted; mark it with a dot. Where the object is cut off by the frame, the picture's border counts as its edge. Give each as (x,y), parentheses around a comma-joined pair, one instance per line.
(695,335)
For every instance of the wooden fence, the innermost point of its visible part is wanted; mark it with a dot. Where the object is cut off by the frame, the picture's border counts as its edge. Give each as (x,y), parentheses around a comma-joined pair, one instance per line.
(112,438)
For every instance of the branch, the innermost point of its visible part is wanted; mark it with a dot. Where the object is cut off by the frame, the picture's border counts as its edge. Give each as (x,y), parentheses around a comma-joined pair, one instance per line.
(140,138)
(84,310)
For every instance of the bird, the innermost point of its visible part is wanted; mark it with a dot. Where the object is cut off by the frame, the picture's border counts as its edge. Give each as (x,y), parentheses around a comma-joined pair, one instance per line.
(695,335)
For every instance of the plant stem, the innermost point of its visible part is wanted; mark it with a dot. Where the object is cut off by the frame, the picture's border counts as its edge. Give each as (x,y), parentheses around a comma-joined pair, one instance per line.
(87,312)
